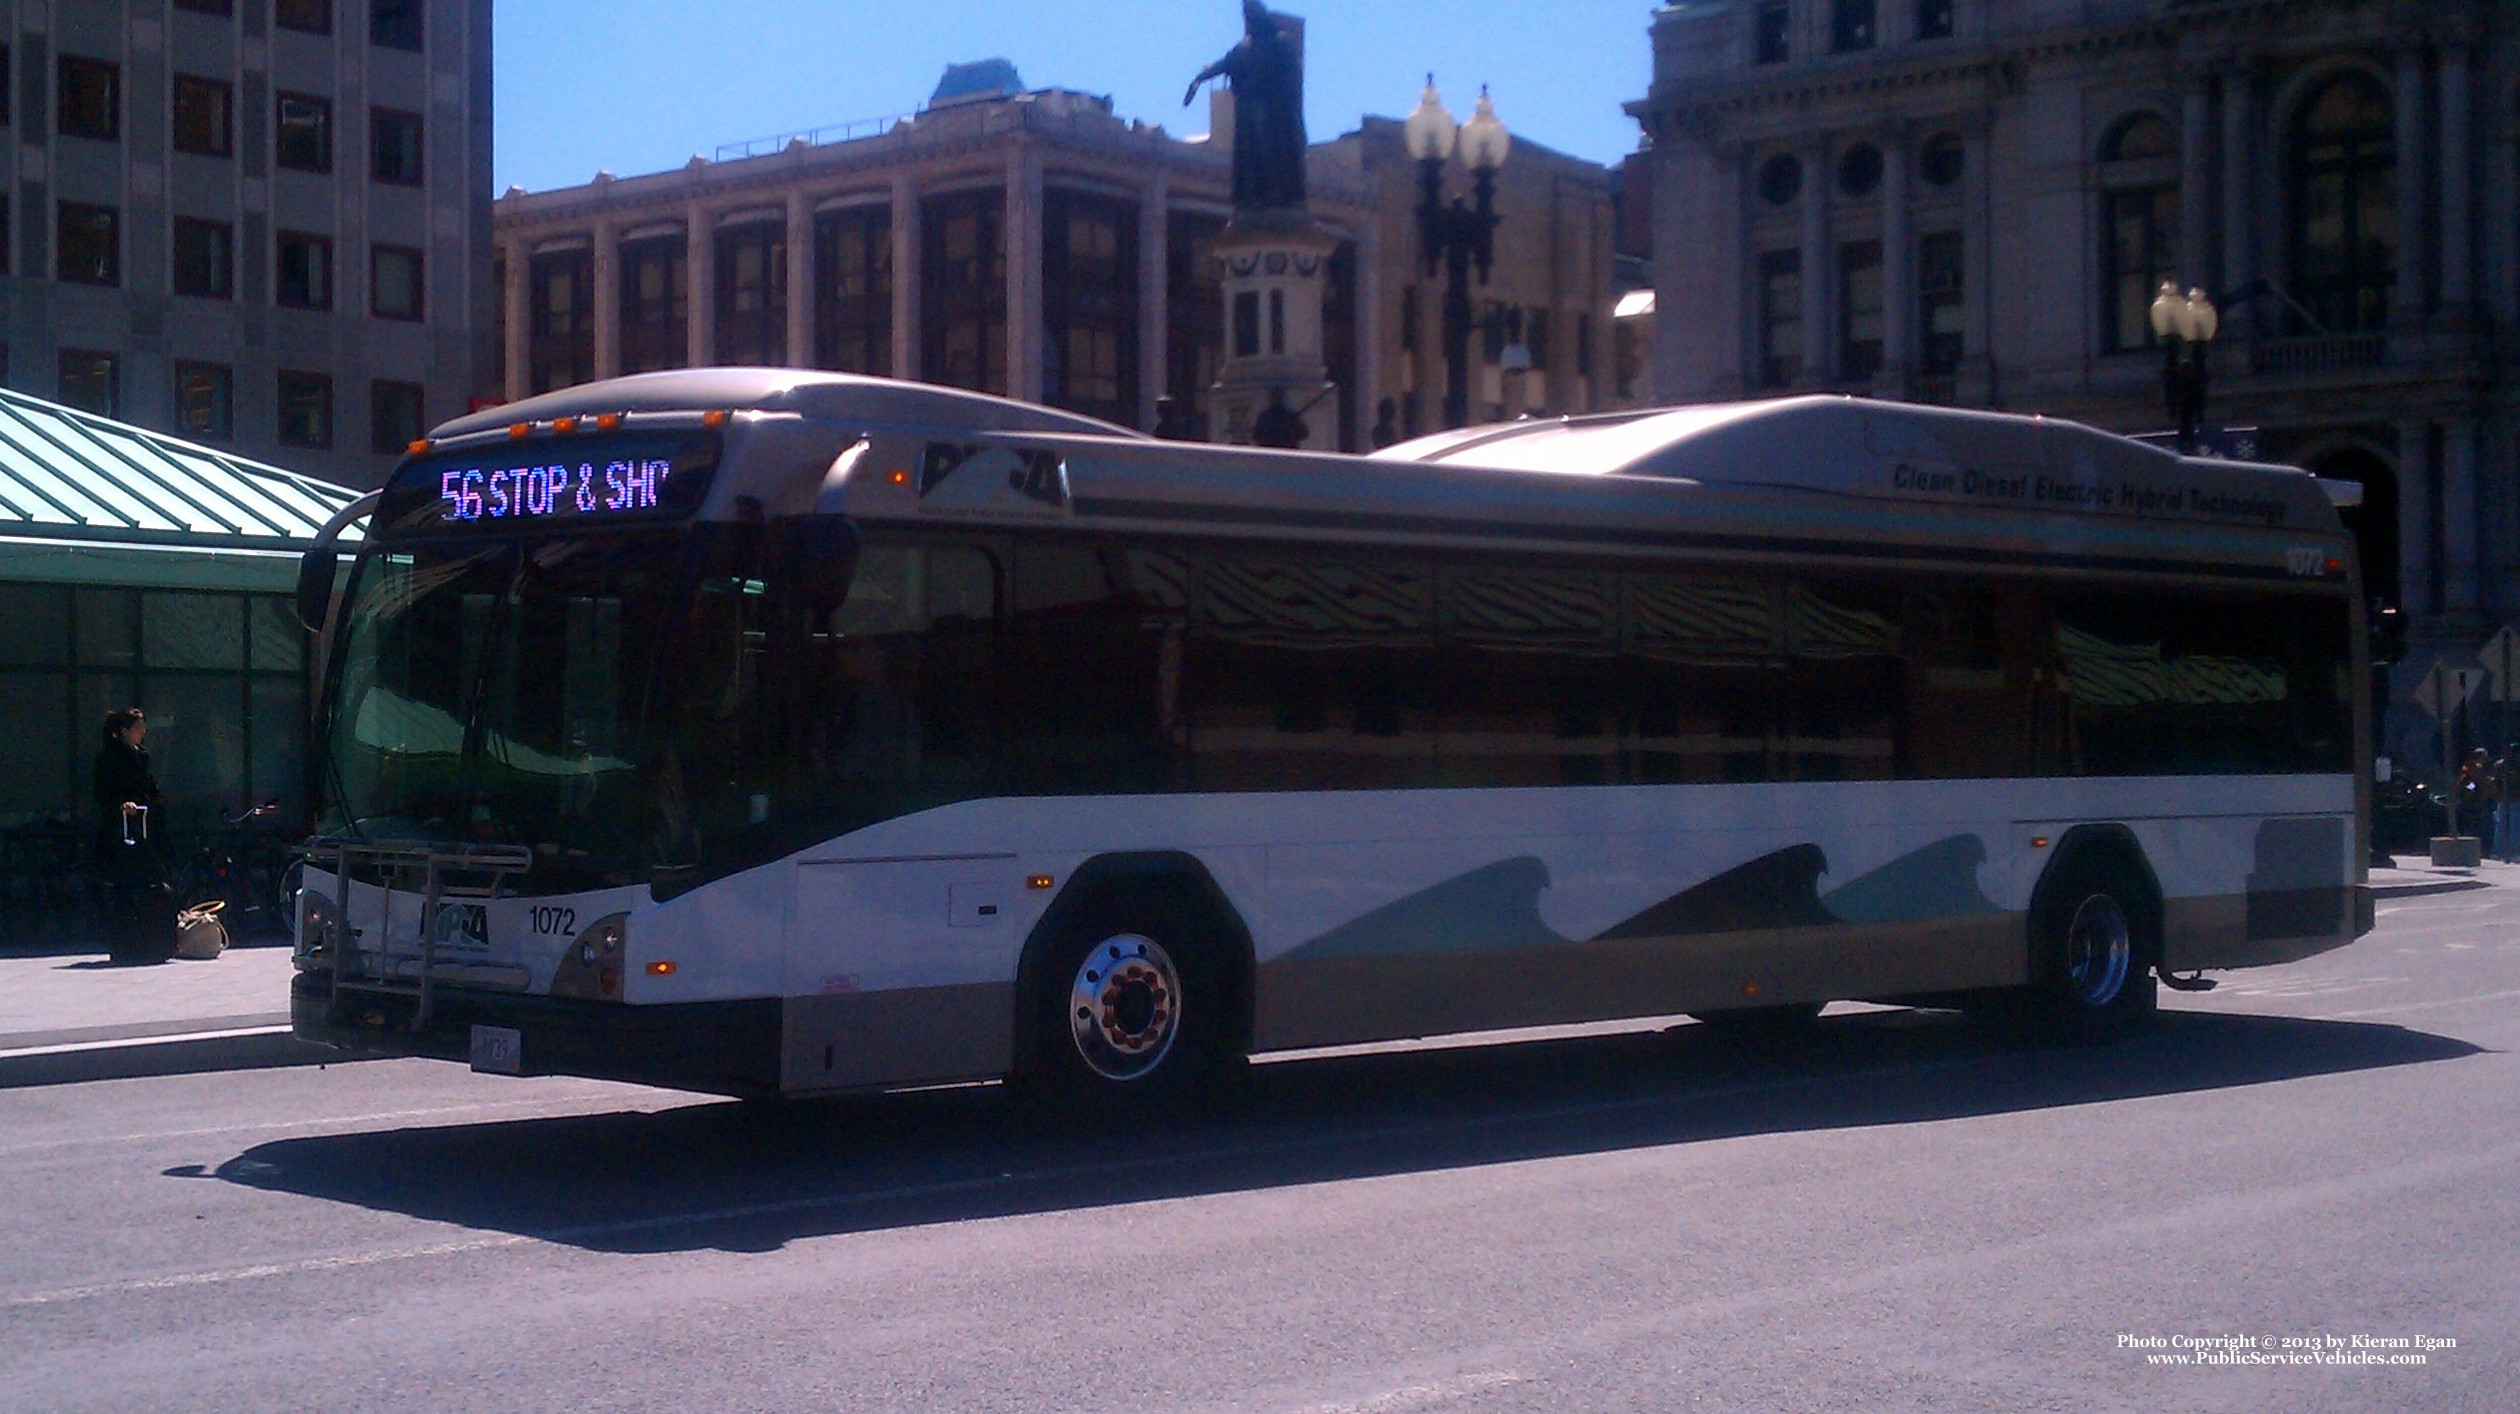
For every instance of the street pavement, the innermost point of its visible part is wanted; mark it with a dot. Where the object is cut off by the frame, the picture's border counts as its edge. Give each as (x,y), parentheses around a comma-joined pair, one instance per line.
(1900,1211)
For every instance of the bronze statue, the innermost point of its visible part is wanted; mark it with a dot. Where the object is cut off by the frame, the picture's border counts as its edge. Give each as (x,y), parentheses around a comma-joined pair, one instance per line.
(1267,74)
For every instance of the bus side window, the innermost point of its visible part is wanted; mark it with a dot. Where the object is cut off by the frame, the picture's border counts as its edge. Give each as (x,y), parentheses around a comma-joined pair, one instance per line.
(902,706)
(1700,655)
(1086,679)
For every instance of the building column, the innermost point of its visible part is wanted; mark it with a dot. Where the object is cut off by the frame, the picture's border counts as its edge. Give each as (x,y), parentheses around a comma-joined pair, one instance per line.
(2196,185)
(1368,313)
(905,278)
(700,279)
(2416,529)
(2239,179)
(1817,364)
(1023,275)
(2458,270)
(1154,293)
(2414,193)
(800,281)
(1979,382)
(520,313)
(1898,265)
(2458,515)
(607,299)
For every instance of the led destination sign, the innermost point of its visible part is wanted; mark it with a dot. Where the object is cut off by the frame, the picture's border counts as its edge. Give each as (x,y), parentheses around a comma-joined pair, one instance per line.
(541,482)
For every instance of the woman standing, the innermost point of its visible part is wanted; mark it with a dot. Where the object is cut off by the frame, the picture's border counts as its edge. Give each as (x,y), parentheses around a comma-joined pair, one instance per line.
(140,908)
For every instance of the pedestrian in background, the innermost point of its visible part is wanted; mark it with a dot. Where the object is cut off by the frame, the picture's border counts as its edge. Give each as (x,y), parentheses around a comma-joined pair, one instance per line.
(140,906)
(2507,804)
(2477,797)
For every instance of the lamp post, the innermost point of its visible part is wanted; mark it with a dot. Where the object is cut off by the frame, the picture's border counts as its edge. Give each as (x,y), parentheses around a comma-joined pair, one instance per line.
(2186,325)
(1456,235)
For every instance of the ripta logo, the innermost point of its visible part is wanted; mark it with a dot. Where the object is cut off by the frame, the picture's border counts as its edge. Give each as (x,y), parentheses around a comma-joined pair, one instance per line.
(464,926)
(993,478)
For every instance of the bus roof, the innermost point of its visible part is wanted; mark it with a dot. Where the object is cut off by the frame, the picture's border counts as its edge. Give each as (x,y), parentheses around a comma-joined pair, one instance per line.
(809,393)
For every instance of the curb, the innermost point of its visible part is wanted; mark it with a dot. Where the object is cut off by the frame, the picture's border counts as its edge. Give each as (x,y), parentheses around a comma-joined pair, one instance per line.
(261,1048)
(2446,886)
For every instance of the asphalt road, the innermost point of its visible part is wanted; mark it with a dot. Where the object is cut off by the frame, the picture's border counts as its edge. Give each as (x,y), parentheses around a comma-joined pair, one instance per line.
(1902,1212)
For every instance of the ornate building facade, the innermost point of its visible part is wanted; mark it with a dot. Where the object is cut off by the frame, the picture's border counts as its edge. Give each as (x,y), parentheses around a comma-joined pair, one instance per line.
(1973,201)
(1031,243)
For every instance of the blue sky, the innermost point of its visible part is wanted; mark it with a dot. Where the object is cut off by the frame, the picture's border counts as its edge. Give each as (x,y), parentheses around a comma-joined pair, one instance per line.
(640,85)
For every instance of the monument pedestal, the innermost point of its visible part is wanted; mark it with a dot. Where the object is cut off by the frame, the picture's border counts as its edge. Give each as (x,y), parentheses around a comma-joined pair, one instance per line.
(1275,271)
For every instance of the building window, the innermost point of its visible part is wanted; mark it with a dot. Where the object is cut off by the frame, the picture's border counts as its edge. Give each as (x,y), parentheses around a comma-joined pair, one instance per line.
(1936,19)
(655,303)
(395,289)
(7,85)
(1194,307)
(1859,170)
(205,401)
(1859,310)
(2343,190)
(1940,300)
(2139,227)
(90,241)
(205,116)
(962,293)
(1773,41)
(91,99)
(560,310)
(1942,160)
(307,16)
(306,409)
(394,24)
(394,147)
(1850,25)
(396,416)
(207,7)
(1089,305)
(1780,318)
(305,269)
(91,381)
(1780,179)
(752,294)
(205,258)
(303,140)
(853,290)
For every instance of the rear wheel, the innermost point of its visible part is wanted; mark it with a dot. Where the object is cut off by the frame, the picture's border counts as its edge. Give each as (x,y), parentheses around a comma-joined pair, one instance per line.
(2094,944)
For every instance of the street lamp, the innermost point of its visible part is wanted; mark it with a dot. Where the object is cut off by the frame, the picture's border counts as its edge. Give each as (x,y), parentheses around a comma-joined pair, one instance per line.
(1457,235)
(2184,325)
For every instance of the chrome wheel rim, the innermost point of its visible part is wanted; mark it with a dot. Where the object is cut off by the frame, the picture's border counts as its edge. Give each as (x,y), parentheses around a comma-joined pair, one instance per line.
(2099,948)
(1124,1007)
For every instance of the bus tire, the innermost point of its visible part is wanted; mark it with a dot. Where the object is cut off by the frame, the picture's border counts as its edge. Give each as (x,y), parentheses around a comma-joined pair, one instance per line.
(1760,1025)
(2095,938)
(1131,1010)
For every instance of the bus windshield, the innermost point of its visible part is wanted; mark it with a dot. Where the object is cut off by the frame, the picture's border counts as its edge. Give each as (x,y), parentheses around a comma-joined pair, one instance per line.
(494,694)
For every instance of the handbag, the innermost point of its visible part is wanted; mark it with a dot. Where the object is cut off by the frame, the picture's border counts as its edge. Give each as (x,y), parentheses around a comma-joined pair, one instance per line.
(199,935)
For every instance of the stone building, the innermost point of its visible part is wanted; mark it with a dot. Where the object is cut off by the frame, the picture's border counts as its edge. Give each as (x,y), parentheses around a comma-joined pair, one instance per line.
(1027,242)
(1973,201)
(260,224)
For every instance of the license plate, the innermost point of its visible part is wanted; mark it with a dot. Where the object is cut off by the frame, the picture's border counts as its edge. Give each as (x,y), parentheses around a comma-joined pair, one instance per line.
(497,1050)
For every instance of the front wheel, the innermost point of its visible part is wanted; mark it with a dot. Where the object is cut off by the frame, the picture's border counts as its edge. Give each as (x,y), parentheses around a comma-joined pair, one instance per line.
(2094,948)
(1129,1015)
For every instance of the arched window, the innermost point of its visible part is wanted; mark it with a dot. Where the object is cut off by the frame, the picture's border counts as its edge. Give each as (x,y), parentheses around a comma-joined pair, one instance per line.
(2343,188)
(2139,227)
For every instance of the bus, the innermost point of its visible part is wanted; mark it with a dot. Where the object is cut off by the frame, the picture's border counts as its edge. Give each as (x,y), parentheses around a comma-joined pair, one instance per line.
(787,733)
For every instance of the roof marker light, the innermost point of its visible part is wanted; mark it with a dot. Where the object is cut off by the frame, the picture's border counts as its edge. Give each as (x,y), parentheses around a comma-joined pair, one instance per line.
(564,425)
(607,422)
(418,446)
(520,430)
(715,417)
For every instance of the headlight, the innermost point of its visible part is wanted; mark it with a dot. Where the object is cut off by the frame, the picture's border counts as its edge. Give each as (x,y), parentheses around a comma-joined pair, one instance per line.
(591,968)
(319,932)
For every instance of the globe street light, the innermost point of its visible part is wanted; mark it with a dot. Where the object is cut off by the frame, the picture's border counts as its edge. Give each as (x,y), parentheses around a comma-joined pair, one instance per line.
(2184,325)
(1456,235)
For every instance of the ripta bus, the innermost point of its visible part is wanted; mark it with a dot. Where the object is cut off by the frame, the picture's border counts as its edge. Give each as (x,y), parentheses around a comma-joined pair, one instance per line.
(785,733)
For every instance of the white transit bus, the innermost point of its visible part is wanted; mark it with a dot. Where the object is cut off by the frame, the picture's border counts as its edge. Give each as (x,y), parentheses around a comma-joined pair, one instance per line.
(773,732)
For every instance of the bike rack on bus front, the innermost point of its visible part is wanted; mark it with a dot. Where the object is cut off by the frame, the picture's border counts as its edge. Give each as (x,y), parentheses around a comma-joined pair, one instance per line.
(433,863)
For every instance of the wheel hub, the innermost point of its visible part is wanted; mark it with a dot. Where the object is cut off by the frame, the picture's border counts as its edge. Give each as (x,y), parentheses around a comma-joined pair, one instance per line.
(1124,1007)
(2099,951)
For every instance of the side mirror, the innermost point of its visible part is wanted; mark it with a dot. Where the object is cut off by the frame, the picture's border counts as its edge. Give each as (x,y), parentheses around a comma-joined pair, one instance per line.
(316,573)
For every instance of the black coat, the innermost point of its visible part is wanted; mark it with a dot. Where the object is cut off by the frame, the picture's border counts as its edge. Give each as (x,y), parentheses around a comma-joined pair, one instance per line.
(122,773)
